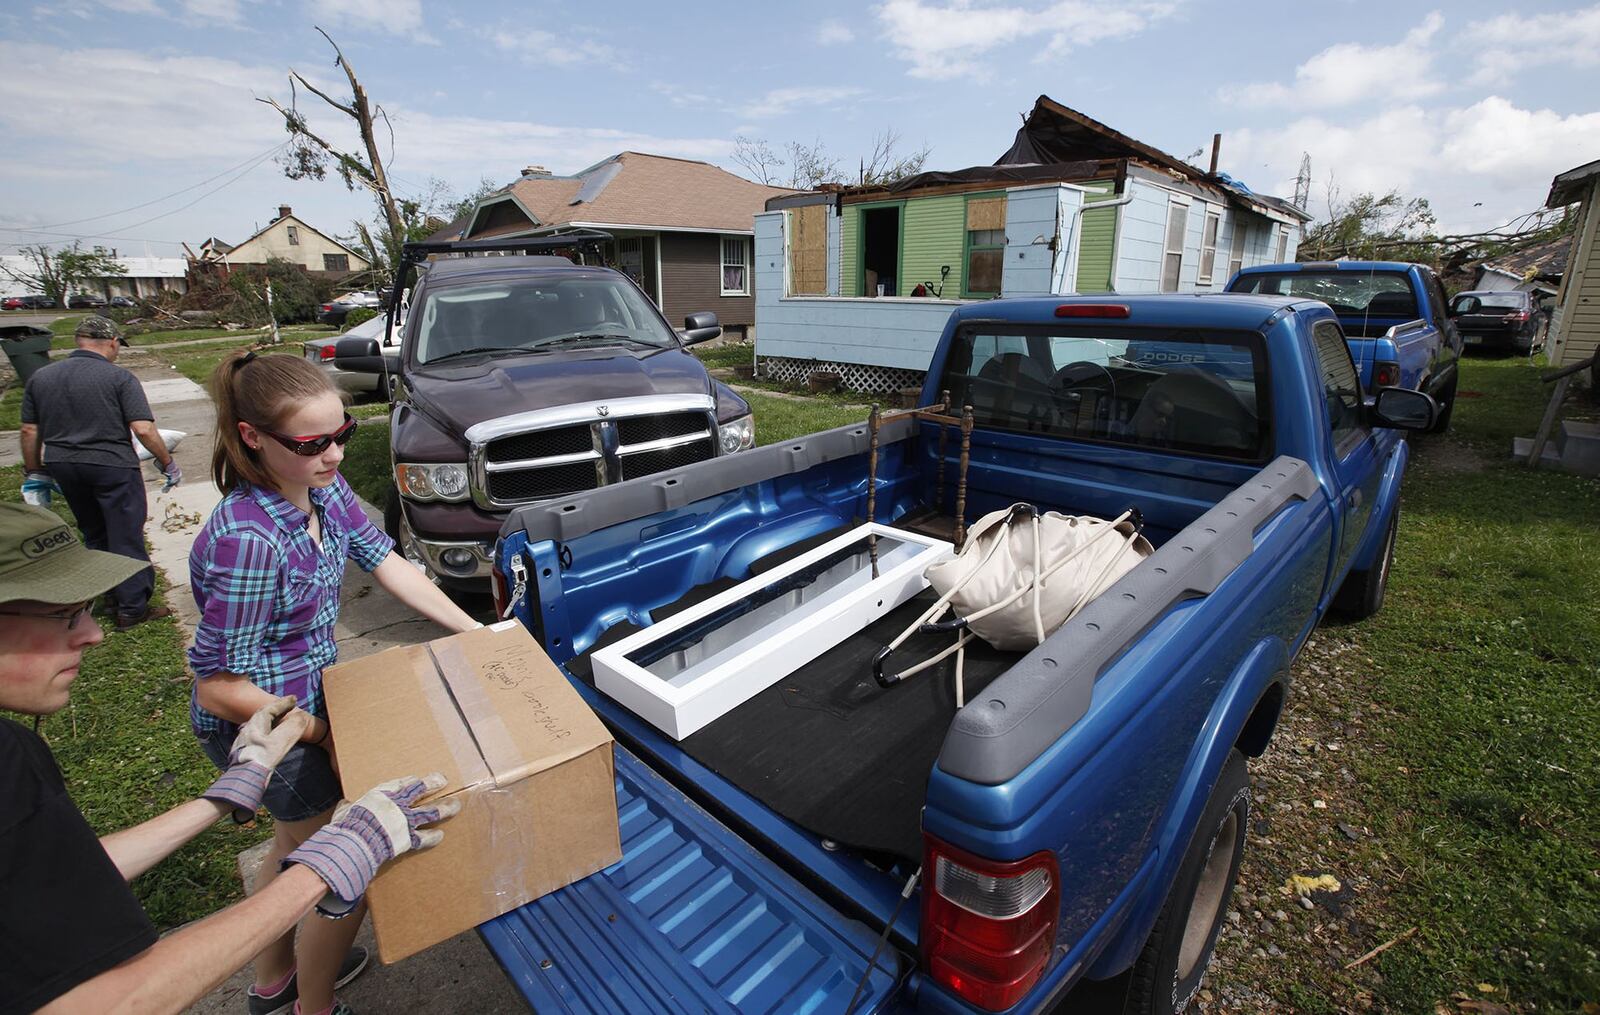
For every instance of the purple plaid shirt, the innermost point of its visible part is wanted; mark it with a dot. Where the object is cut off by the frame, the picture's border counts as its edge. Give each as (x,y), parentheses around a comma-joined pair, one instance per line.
(268,597)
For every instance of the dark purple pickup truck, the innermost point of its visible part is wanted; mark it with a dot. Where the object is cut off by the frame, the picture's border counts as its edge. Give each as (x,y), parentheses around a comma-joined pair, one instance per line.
(524,377)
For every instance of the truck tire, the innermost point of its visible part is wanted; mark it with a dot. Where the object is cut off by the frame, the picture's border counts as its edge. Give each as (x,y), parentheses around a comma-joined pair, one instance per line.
(1362,593)
(1167,974)
(1447,405)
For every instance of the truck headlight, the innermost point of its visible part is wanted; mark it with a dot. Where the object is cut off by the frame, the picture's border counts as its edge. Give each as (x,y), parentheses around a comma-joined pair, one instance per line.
(739,435)
(446,482)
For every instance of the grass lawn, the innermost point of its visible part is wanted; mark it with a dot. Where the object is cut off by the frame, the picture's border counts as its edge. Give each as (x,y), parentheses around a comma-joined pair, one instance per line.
(11,408)
(1453,742)
(731,355)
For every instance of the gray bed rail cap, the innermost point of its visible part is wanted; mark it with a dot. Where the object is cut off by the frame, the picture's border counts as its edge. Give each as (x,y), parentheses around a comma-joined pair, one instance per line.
(1032,704)
(565,518)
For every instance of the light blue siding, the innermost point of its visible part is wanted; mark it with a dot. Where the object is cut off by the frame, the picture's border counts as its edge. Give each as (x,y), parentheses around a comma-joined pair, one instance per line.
(1139,241)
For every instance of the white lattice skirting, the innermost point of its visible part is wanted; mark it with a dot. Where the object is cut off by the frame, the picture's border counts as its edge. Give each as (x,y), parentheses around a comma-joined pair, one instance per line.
(862,377)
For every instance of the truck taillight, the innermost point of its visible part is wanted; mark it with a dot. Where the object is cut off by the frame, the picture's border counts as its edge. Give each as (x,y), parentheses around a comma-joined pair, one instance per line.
(1093,310)
(1385,375)
(987,927)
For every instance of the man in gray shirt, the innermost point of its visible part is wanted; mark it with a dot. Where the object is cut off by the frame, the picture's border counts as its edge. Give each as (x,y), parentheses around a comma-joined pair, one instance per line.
(81,409)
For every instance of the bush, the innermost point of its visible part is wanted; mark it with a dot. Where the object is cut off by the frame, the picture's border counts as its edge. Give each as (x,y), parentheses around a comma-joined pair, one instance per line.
(296,295)
(360,315)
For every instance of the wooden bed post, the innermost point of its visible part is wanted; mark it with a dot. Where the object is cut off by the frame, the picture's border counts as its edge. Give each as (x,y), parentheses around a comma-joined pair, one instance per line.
(873,421)
(961,480)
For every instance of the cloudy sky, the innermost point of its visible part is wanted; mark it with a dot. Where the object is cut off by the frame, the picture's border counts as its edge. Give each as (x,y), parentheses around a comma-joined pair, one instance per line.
(131,123)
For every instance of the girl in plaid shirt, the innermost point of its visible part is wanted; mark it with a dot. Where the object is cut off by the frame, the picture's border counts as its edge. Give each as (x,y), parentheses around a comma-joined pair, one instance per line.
(266,572)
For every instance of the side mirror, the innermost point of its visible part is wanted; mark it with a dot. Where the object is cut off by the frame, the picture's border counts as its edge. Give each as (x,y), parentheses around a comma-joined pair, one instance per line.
(701,327)
(359,355)
(1402,409)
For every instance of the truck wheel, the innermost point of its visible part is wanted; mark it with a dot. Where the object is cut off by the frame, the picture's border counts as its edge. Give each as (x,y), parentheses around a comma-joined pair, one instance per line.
(1167,974)
(1361,595)
(1447,405)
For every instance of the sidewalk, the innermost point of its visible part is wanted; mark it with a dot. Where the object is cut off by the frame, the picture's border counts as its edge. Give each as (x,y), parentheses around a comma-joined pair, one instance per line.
(457,975)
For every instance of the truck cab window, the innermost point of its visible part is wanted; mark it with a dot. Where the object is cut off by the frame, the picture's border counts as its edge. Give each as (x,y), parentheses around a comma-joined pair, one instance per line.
(1340,384)
(1156,388)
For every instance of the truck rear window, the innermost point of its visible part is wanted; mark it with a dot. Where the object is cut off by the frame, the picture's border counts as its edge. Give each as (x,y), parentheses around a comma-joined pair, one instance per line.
(1349,293)
(1200,392)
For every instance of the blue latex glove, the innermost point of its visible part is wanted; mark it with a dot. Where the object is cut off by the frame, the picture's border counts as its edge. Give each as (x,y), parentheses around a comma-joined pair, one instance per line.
(173,473)
(37,489)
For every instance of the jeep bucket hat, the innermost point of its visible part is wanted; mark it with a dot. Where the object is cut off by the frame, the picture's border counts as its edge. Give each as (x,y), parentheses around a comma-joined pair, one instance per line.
(42,560)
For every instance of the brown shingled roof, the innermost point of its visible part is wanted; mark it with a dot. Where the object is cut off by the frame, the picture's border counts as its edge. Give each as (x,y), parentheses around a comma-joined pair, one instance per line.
(648,190)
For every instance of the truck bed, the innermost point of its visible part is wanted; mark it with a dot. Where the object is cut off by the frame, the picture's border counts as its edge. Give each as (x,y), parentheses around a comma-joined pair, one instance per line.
(830,750)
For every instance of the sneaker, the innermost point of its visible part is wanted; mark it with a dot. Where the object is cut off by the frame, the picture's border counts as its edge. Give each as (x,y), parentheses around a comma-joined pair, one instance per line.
(282,1003)
(151,613)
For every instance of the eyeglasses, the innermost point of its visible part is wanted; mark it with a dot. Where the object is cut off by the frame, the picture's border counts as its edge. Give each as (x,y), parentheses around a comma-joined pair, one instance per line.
(314,444)
(72,617)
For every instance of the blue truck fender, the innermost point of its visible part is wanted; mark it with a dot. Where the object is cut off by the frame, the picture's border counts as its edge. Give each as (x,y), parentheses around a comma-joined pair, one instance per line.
(1261,679)
(1394,470)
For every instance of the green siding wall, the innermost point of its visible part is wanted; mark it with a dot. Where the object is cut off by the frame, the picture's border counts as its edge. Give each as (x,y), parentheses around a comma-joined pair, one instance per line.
(1096,241)
(849,229)
(935,234)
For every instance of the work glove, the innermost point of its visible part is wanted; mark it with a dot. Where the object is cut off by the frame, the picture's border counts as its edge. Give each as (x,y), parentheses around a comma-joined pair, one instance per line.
(347,852)
(37,488)
(173,473)
(256,751)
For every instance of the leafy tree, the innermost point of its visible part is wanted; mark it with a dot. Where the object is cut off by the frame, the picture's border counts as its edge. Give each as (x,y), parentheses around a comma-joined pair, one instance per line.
(55,273)
(1376,226)
(420,217)
(296,294)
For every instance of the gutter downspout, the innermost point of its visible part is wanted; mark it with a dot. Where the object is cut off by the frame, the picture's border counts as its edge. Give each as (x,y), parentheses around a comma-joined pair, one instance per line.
(1126,198)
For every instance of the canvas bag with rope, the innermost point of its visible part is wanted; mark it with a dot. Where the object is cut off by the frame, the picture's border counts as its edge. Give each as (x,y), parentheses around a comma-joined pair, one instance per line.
(1019,576)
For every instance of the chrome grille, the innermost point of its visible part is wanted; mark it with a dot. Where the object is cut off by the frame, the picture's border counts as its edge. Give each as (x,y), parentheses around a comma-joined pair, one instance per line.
(568,449)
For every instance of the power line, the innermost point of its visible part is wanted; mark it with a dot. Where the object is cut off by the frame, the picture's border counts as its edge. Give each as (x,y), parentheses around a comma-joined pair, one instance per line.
(112,214)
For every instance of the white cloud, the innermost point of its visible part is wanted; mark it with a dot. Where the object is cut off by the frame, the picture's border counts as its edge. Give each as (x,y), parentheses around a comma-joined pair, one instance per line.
(534,45)
(780,101)
(222,12)
(833,33)
(681,96)
(946,40)
(1478,166)
(1349,72)
(1505,45)
(397,17)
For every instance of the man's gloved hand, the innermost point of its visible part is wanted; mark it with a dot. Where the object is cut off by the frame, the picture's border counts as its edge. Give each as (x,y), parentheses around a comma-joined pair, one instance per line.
(347,852)
(37,488)
(173,473)
(257,750)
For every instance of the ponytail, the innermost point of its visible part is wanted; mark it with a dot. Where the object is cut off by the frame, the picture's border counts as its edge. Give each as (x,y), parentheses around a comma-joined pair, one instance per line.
(259,390)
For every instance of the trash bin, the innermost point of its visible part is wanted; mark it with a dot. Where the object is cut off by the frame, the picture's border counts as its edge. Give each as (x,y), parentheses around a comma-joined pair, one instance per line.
(27,347)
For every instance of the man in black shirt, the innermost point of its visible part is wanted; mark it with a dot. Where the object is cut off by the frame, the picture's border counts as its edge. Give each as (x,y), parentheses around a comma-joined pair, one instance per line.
(72,935)
(80,410)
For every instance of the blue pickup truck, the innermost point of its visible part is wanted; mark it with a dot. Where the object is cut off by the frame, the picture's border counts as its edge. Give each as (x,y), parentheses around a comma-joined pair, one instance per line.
(1394,313)
(831,845)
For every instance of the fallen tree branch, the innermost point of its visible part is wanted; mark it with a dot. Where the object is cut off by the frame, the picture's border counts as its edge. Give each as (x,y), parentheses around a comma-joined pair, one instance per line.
(1381,948)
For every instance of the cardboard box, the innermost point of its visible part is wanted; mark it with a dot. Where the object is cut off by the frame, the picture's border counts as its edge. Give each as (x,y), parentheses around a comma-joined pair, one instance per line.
(530,762)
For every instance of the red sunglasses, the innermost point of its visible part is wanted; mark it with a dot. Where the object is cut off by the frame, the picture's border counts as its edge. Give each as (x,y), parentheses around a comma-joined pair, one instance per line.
(314,444)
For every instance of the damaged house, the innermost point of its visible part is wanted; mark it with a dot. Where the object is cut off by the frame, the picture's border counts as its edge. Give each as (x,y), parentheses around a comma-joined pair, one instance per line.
(860,280)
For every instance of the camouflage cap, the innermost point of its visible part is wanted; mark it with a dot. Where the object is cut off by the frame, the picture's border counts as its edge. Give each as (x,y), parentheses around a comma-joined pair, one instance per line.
(99,329)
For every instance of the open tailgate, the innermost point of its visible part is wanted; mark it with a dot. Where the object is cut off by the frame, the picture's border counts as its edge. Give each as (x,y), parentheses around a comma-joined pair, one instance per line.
(692,919)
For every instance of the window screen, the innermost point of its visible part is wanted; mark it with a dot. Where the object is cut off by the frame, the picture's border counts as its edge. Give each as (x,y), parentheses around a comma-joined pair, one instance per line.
(1187,391)
(1172,260)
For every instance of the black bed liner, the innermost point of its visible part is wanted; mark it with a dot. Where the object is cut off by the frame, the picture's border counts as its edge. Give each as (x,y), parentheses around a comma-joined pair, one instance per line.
(826,747)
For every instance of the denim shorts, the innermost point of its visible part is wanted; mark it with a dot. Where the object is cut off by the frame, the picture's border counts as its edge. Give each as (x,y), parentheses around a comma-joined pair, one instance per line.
(302,786)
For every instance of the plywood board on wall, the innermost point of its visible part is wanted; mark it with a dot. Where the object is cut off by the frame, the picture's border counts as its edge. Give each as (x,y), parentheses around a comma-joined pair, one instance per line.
(808,250)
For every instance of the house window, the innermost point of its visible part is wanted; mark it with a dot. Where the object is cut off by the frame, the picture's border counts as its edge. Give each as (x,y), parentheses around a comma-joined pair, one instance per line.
(1208,246)
(335,262)
(294,236)
(1172,258)
(986,246)
(1236,249)
(735,266)
(1283,245)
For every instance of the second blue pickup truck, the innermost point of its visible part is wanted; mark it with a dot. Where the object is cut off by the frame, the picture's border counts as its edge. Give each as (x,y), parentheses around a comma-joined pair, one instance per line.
(831,845)
(1393,312)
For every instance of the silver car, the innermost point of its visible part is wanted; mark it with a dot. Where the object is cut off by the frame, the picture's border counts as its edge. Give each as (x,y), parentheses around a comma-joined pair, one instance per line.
(321,352)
